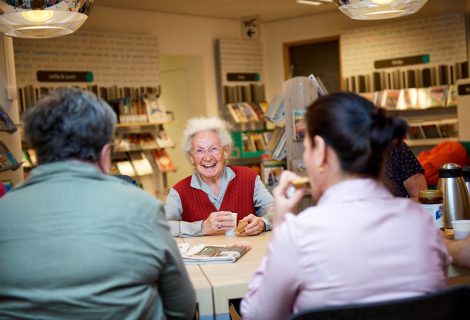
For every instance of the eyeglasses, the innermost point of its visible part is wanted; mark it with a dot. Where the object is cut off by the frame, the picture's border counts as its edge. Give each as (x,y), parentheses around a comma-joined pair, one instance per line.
(213,151)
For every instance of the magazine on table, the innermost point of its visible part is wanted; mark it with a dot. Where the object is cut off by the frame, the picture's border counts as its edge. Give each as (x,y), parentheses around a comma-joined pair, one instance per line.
(210,254)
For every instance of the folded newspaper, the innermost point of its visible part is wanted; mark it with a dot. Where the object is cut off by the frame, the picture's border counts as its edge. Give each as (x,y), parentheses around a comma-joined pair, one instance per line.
(205,254)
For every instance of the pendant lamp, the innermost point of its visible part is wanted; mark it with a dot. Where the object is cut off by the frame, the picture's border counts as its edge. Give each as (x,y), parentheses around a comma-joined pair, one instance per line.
(36,19)
(378,9)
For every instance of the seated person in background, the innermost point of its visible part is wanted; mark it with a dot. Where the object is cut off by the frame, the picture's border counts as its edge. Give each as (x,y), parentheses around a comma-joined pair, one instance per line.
(459,250)
(403,173)
(77,243)
(201,203)
(359,243)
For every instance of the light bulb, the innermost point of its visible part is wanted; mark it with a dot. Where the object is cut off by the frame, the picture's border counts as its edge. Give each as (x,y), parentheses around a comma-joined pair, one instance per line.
(38,15)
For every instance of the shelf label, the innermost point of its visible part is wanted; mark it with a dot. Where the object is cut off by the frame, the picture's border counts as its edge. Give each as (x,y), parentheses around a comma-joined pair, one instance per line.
(65,76)
(403,61)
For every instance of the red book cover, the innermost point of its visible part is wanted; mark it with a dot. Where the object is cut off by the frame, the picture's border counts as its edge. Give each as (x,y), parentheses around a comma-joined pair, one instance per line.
(163,160)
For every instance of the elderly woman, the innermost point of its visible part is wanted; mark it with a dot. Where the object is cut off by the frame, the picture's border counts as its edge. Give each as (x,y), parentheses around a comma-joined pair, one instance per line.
(359,243)
(201,204)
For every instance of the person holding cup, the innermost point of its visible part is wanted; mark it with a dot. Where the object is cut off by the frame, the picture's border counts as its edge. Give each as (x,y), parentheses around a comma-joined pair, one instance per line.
(206,202)
(359,243)
(459,248)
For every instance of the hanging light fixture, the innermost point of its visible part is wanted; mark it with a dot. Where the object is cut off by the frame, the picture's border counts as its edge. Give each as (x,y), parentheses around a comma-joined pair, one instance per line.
(378,9)
(42,18)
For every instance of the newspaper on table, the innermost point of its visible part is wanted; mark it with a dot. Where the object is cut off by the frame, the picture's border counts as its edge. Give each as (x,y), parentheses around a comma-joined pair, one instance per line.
(207,254)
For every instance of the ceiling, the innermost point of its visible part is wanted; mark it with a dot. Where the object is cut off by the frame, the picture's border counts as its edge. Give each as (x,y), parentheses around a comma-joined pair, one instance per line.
(268,10)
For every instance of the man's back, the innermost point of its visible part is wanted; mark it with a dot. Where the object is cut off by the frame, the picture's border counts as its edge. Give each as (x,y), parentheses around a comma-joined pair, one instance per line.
(76,244)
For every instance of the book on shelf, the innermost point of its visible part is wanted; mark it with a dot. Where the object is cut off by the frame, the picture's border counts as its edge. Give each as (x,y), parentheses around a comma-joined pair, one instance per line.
(276,110)
(390,98)
(407,99)
(449,128)
(279,151)
(156,111)
(212,254)
(437,96)
(7,159)
(299,125)
(163,160)
(140,163)
(248,111)
(163,139)
(431,130)
(415,131)
(274,138)
(6,124)
(125,167)
(452,96)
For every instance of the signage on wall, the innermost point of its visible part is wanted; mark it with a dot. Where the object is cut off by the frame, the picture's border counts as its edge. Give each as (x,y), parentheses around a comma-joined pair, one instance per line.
(250,27)
(64,76)
(403,61)
(242,76)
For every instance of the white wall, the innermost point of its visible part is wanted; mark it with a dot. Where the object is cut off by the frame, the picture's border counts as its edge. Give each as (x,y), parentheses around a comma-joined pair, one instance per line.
(176,34)
(329,24)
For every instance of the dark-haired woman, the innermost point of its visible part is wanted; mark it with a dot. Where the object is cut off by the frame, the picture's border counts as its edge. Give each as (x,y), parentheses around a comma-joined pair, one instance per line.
(358,243)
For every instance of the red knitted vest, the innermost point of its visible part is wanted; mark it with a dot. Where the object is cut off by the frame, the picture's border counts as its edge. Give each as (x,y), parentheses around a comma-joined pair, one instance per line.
(238,197)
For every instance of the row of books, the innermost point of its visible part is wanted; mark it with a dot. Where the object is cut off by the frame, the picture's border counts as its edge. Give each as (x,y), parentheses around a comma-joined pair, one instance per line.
(277,144)
(6,124)
(7,159)
(248,93)
(129,97)
(255,141)
(414,98)
(409,78)
(142,141)
(243,112)
(139,163)
(447,128)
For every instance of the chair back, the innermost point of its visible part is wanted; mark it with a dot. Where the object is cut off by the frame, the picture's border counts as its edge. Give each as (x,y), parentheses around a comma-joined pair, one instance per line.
(450,303)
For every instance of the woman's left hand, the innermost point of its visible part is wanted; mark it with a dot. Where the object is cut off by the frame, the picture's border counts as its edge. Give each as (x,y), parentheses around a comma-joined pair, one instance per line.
(255,225)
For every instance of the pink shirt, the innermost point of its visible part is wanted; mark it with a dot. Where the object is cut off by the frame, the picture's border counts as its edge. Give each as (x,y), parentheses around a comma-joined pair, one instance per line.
(358,244)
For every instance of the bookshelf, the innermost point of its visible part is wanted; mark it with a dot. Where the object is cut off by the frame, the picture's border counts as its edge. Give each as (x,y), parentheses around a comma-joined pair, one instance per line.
(242,100)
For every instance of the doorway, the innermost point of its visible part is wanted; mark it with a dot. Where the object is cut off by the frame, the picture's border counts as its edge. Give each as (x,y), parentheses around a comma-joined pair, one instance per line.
(319,57)
(182,84)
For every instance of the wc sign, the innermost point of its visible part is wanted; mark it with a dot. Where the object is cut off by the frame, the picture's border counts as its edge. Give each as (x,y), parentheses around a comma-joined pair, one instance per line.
(250,27)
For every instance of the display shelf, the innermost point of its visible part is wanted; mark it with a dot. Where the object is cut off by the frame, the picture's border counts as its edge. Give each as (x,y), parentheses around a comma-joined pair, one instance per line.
(428,142)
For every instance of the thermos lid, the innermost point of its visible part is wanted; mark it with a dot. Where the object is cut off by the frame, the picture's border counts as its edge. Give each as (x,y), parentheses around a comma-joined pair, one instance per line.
(430,194)
(466,173)
(450,170)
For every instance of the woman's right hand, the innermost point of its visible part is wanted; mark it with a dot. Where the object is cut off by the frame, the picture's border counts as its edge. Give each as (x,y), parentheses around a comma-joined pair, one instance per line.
(217,223)
(282,202)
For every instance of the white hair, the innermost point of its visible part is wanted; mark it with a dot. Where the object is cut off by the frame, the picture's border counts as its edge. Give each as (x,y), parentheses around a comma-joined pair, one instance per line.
(196,125)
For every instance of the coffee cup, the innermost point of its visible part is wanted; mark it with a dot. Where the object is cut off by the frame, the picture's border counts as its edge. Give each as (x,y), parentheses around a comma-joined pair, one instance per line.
(461,228)
(231,232)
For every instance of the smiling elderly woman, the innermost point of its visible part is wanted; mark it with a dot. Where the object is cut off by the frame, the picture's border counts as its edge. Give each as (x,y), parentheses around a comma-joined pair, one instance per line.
(201,204)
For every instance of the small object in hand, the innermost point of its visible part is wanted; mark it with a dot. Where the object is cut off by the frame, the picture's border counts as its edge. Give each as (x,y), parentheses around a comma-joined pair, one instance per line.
(240,230)
(296,184)
(300,183)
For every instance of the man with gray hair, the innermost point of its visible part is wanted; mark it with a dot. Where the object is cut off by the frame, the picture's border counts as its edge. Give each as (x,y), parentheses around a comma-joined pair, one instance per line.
(77,243)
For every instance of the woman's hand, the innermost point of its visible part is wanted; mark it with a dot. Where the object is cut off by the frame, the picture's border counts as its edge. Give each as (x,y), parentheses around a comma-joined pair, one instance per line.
(218,222)
(283,203)
(255,225)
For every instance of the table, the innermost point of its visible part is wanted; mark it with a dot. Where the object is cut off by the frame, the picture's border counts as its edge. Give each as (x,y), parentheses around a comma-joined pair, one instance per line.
(230,281)
(203,289)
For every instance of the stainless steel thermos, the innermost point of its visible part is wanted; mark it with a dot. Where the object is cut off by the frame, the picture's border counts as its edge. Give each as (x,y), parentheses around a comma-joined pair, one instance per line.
(455,204)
